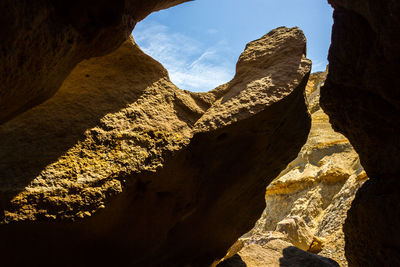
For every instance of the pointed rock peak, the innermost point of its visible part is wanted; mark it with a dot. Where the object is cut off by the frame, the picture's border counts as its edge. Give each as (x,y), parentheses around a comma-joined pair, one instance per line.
(268,70)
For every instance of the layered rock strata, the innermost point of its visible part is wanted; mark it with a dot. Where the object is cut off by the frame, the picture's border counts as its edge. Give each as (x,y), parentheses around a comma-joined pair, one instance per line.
(309,200)
(362,99)
(42,41)
(121,167)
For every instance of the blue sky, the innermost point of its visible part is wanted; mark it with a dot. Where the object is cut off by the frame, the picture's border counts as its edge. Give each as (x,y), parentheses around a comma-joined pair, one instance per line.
(199,42)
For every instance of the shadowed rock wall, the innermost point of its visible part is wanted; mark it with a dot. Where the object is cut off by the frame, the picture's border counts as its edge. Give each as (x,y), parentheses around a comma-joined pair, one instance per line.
(362,99)
(41,42)
(121,167)
(318,186)
(306,204)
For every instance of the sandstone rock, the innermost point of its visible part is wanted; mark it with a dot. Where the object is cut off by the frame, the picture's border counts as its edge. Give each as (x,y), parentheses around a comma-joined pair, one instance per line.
(297,231)
(121,167)
(276,253)
(251,90)
(362,99)
(316,245)
(258,238)
(313,90)
(42,41)
(318,186)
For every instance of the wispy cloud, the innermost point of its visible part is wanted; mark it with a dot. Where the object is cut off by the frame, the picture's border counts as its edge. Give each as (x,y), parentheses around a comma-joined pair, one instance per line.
(318,65)
(212,31)
(192,64)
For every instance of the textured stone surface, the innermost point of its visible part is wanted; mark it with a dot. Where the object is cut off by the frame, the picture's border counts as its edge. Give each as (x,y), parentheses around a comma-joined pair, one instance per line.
(121,167)
(276,253)
(317,187)
(248,94)
(41,42)
(362,99)
(297,232)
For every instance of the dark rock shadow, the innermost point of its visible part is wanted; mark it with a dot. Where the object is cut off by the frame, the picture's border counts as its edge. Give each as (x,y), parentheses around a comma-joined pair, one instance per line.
(234,261)
(295,257)
(183,210)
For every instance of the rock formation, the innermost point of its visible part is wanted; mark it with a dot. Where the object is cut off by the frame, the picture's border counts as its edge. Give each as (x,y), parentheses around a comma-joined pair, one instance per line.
(121,167)
(362,99)
(308,201)
(276,253)
(41,42)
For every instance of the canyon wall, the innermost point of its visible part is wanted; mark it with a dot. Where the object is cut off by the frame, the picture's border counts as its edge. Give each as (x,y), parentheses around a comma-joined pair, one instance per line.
(362,99)
(121,167)
(318,186)
(306,204)
(42,41)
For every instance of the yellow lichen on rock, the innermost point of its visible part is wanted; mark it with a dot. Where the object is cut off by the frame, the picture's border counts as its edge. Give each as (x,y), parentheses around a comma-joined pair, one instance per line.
(124,164)
(130,140)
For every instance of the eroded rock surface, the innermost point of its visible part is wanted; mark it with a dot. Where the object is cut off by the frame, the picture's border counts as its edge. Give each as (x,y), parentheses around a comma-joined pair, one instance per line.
(309,200)
(42,41)
(275,253)
(320,184)
(297,231)
(122,167)
(362,99)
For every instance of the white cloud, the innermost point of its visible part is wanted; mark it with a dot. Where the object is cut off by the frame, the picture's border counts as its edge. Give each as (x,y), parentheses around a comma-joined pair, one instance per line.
(212,31)
(192,64)
(318,65)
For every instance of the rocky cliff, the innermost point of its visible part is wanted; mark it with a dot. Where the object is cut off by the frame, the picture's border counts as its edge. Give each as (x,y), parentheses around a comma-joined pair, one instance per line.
(362,99)
(121,167)
(42,41)
(306,204)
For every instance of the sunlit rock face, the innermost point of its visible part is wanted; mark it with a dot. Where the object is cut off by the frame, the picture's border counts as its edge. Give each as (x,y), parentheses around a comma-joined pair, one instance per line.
(121,167)
(306,204)
(362,99)
(276,253)
(42,41)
